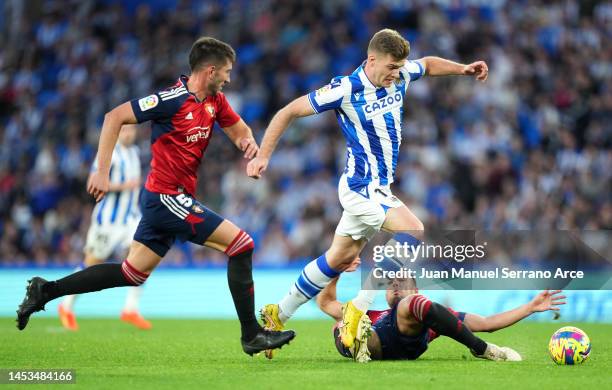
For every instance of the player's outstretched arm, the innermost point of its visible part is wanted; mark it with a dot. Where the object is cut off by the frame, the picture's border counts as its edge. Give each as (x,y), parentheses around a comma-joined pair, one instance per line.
(544,301)
(298,108)
(327,301)
(242,136)
(98,182)
(436,66)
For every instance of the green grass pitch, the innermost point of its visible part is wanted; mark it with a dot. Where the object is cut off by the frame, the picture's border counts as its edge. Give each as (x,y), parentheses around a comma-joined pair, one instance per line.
(206,354)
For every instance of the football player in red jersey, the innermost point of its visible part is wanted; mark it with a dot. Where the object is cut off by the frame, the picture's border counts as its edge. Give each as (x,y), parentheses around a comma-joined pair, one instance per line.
(412,321)
(183,117)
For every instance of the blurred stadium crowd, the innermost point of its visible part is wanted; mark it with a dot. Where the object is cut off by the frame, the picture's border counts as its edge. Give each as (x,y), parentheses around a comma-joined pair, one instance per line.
(529,149)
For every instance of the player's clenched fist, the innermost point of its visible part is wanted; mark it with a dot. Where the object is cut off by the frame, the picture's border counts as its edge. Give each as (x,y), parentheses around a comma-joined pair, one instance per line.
(97,185)
(478,69)
(249,147)
(256,167)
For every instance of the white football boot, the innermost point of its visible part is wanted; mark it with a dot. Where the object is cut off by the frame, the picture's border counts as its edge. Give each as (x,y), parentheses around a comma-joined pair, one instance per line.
(503,354)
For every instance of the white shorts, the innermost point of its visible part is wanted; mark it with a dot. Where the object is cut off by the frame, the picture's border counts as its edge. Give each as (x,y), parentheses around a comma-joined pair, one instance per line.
(365,211)
(104,240)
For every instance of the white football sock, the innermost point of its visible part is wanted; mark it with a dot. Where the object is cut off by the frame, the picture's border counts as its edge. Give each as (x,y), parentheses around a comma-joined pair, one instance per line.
(316,275)
(364,299)
(68,302)
(132,299)
(290,303)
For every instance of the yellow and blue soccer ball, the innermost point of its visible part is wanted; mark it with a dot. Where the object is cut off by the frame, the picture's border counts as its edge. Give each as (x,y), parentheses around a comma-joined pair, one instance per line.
(569,345)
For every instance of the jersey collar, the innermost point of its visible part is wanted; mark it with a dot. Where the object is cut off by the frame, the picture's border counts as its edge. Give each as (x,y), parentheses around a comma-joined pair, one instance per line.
(183,80)
(365,76)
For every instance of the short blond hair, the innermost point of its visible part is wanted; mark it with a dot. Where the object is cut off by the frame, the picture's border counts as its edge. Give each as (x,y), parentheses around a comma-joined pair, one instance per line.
(389,41)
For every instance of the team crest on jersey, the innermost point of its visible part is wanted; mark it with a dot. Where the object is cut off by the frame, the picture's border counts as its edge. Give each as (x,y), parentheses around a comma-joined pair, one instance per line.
(149,102)
(210,109)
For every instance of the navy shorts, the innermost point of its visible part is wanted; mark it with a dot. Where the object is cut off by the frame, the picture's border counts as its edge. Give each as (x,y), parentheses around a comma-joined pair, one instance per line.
(396,346)
(166,218)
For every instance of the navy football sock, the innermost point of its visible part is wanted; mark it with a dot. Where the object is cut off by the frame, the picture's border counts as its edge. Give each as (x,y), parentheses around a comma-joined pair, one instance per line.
(442,321)
(95,278)
(240,280)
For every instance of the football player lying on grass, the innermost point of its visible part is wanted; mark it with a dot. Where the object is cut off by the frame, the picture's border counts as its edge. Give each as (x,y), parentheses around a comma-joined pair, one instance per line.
(412,321)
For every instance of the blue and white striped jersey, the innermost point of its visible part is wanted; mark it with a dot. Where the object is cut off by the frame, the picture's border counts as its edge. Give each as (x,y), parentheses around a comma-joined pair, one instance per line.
(121,207)
(370,119)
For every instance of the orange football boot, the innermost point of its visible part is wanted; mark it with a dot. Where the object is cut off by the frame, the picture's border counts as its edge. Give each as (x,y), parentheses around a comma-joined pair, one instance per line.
(67,317)
(134,318)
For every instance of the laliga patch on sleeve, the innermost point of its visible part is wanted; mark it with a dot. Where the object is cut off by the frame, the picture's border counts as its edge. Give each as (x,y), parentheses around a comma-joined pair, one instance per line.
(323,89)
(147,103)
(326,88)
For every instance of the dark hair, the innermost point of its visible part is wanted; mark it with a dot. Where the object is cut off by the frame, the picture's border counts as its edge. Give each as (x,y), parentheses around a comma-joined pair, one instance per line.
(389,41)
(208,50)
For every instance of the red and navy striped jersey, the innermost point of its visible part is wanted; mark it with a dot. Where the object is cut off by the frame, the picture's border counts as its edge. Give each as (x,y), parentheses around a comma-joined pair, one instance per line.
(377,315)
(181,130)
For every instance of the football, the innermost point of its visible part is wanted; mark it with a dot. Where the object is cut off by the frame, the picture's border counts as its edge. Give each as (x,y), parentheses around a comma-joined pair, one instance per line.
(569,345)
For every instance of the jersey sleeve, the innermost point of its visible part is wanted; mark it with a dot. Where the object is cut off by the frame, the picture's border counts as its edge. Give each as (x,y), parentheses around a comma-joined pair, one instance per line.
(413,70)
(158,106)
(226,116)
(330,96)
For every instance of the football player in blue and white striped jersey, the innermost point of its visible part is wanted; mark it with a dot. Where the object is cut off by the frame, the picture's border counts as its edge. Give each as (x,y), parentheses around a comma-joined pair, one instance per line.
(368,105)
(113,223)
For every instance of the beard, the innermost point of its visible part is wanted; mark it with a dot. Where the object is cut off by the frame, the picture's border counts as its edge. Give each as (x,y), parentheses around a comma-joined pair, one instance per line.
(215,86)
(394,300)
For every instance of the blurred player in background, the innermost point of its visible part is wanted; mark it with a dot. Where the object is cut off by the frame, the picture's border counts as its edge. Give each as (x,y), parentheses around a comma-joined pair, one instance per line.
(412,321)
(113,223)
(369,106)
(182,118)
